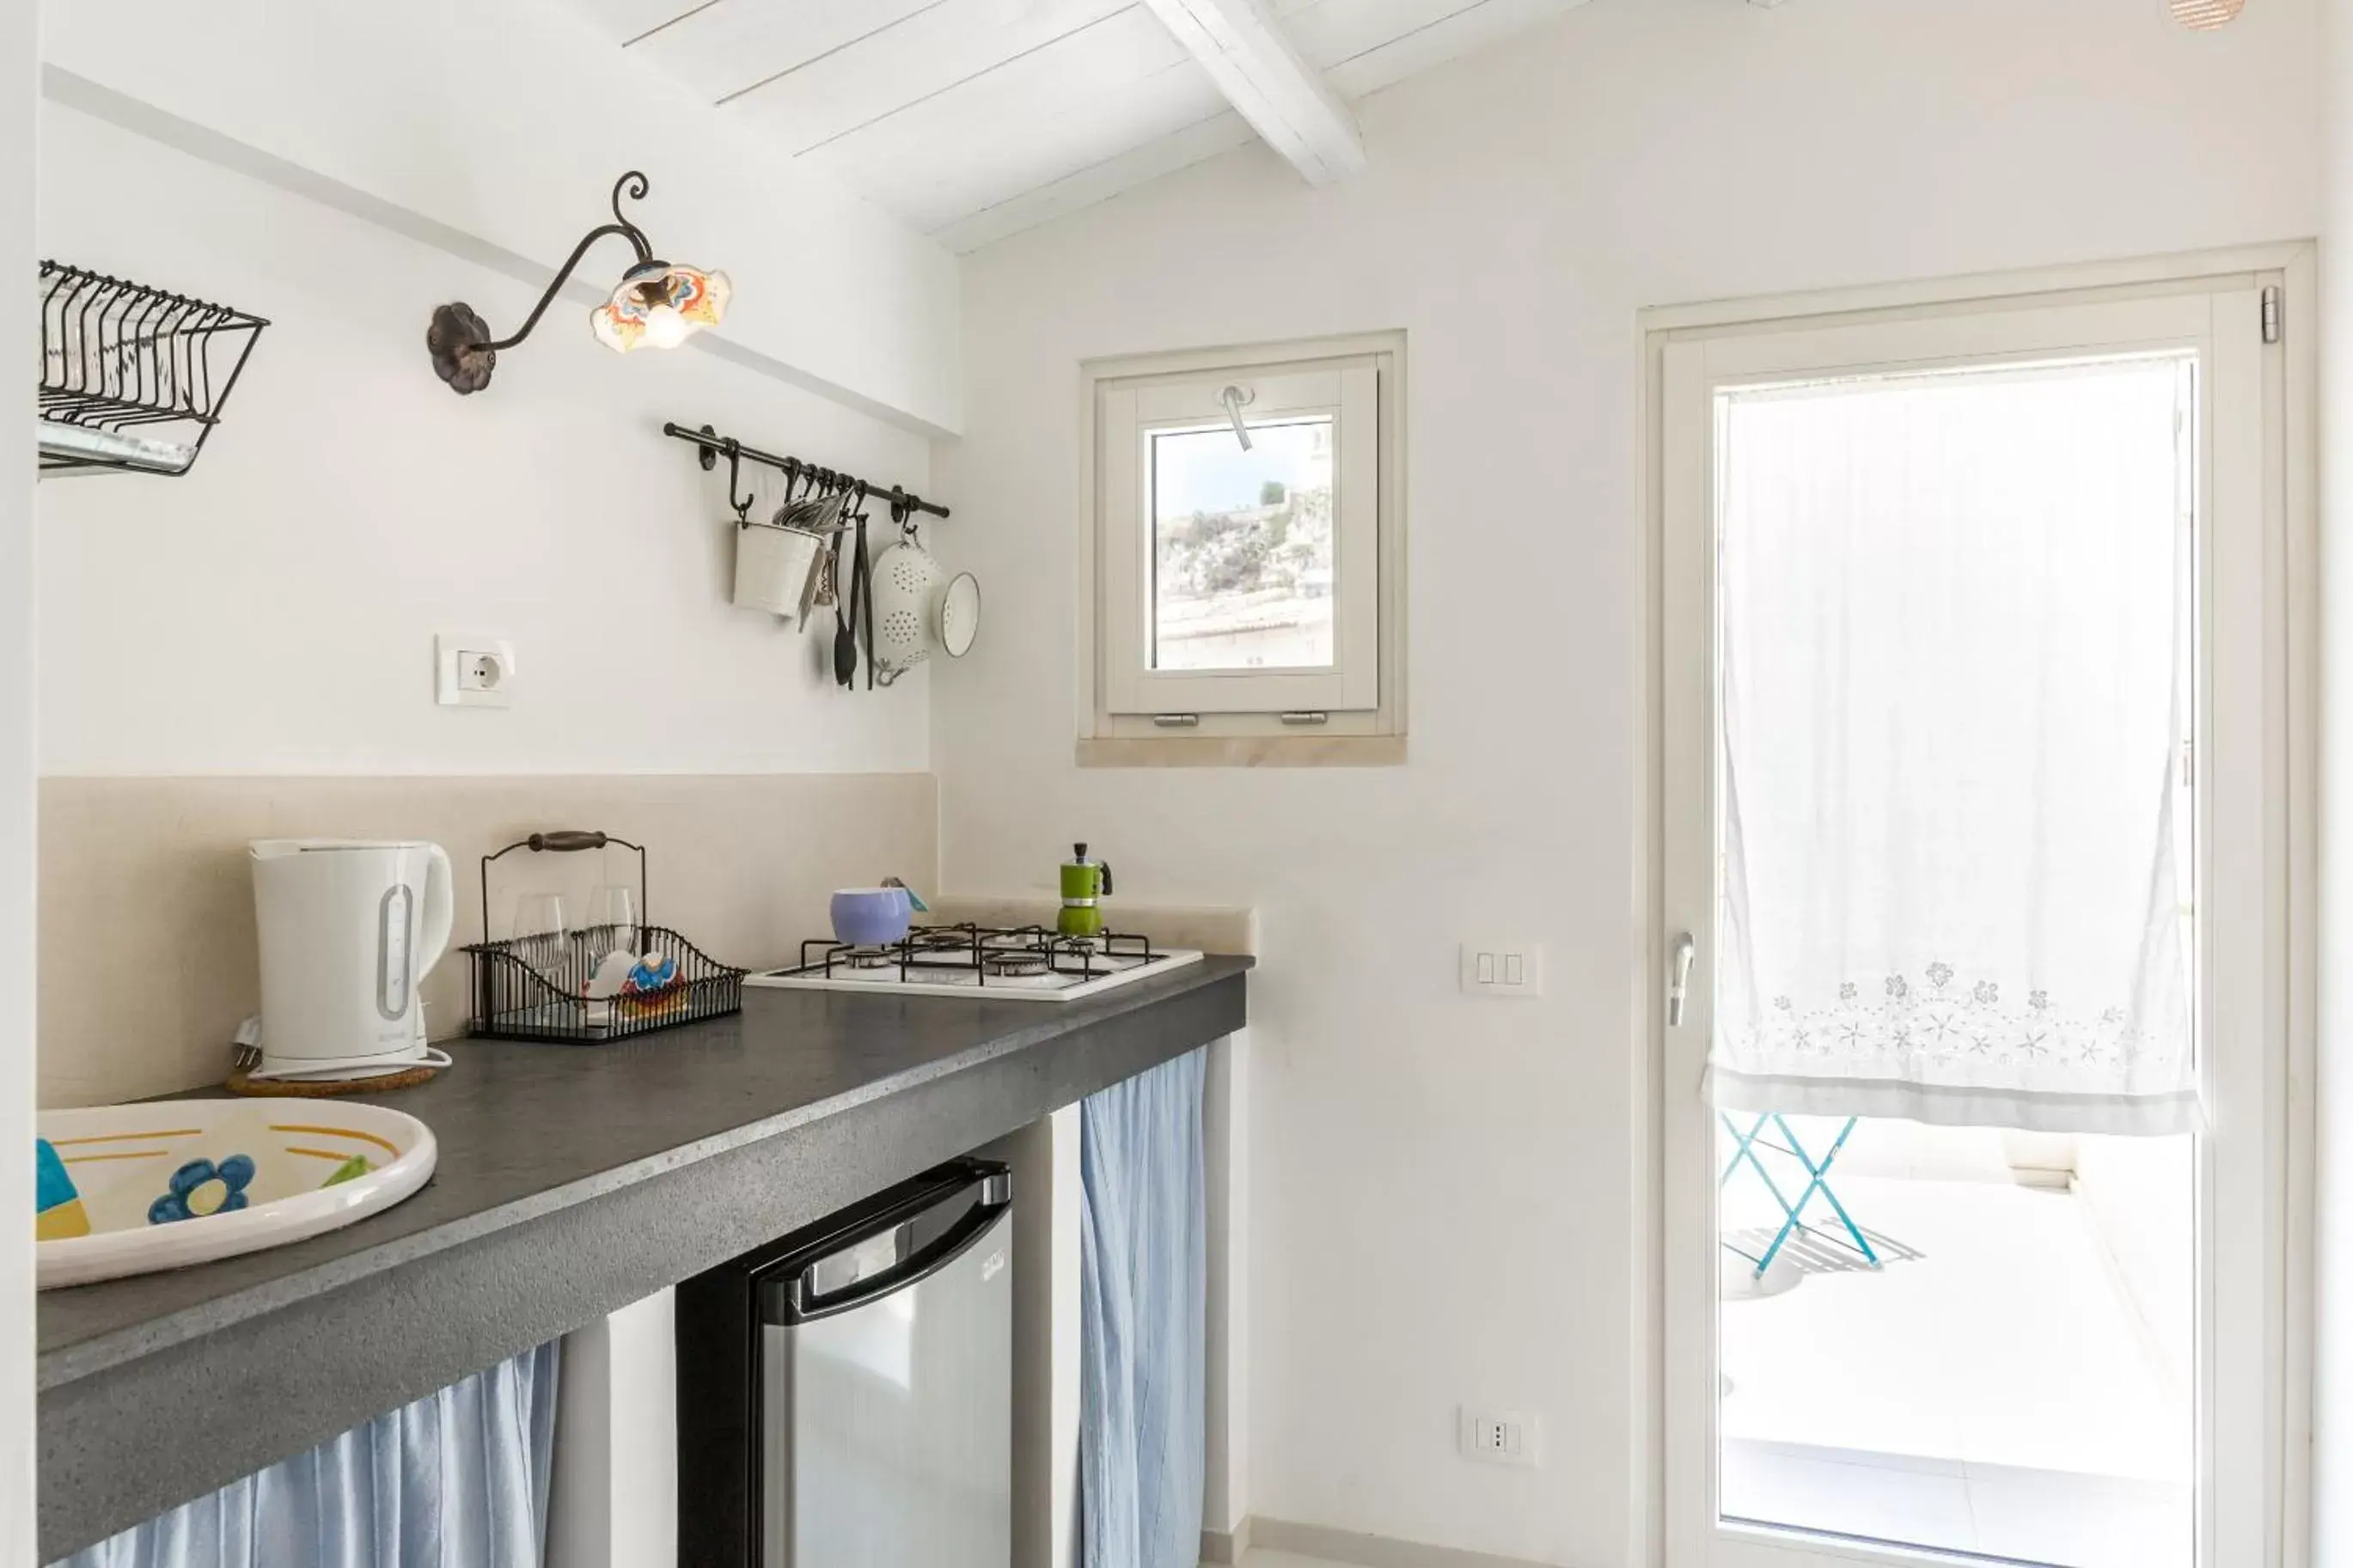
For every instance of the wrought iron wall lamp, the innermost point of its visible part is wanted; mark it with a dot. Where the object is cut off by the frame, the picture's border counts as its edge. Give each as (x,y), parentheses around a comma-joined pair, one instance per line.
(656,305)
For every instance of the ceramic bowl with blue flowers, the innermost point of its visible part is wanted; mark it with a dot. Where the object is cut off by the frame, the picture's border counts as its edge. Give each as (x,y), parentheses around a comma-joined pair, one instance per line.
(125,1189)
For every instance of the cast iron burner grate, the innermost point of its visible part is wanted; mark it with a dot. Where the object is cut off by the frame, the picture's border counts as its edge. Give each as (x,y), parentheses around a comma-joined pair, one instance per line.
(983,953)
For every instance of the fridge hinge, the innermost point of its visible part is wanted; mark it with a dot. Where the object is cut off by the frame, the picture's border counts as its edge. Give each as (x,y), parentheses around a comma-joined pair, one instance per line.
(2272,306)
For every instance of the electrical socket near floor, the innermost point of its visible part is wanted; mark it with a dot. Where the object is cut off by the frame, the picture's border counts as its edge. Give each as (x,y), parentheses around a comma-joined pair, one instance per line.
(1500,1437)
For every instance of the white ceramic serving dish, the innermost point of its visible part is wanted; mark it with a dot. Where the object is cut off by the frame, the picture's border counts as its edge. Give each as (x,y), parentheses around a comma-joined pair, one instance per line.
(308,1166)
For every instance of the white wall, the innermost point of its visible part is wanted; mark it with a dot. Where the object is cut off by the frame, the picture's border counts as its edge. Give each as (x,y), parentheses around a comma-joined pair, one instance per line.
(1047,1203)
(1445,1192)
(498,127)
(17,27)
(614,1501)
(273,612)
(1226,1146)
(2332,1465)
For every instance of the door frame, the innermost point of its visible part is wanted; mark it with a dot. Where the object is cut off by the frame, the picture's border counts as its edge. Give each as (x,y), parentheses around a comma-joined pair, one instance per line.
(2292,519)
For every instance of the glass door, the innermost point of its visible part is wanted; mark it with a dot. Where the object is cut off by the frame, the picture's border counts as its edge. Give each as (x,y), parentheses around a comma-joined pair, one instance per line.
(1974,1078)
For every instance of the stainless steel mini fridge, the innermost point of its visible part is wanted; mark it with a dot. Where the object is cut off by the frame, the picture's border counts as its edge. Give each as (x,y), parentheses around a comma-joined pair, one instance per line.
(845,1395)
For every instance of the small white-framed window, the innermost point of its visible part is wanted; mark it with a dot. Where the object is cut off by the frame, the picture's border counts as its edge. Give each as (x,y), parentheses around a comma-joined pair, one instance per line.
(1245,531)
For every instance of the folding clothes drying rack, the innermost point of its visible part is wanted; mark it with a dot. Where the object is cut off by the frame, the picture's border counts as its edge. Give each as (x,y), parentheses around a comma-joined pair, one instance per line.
(1816,1180)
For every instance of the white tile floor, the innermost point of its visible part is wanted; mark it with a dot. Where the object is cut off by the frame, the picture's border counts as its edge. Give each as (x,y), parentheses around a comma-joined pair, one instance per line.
(1989,1391)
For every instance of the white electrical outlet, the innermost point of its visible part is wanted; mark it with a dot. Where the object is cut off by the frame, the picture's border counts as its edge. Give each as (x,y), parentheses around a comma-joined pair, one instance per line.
(473,669)
(1502,968)
(1500,1437)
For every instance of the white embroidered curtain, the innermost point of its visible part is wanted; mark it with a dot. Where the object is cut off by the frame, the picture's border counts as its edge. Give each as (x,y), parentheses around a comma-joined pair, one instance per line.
(1956,622)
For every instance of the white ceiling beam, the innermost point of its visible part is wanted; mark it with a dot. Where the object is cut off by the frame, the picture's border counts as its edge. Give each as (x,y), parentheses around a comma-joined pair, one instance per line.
(1286,100)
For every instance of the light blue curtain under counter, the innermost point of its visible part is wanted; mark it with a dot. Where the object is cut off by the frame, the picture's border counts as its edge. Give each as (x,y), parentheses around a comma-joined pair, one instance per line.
(1143,1269)
(457,1479)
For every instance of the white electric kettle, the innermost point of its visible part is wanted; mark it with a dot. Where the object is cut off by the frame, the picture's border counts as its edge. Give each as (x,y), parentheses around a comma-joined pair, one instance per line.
(348,930)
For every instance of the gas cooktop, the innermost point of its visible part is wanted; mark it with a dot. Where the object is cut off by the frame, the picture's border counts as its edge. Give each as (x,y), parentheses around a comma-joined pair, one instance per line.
(1028,964)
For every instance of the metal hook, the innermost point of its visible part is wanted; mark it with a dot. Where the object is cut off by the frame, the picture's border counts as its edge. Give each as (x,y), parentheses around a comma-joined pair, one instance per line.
(743,507)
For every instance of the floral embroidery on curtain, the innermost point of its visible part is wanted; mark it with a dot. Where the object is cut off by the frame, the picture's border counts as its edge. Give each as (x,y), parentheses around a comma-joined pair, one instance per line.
(1955,620)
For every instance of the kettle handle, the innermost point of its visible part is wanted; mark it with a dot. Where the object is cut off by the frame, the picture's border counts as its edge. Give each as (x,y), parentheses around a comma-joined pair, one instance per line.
(440,910)
(1106,881)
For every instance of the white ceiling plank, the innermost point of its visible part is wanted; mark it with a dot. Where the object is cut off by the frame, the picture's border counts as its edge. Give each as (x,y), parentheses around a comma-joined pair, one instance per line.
(622,20)
(956,151)
(978,118)
(736,46)
(1462,29)
(1045,151)
(1361,45)
(929,53)
(1326,32)
(1203,140)
(1285,99)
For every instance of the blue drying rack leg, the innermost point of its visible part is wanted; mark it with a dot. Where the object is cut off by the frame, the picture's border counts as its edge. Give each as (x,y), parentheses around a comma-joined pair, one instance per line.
(1816,1180)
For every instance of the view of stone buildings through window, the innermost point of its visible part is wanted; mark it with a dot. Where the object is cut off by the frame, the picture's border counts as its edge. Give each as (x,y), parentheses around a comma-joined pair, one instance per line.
(1243,556)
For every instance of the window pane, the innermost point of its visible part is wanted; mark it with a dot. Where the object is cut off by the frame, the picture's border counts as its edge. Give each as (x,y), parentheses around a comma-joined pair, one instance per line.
(1241,550)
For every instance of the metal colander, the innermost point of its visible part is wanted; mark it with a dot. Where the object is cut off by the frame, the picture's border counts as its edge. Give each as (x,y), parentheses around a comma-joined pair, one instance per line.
(905,579)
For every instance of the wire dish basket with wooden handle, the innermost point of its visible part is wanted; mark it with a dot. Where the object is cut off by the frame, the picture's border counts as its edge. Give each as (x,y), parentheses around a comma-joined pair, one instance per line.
(544,985)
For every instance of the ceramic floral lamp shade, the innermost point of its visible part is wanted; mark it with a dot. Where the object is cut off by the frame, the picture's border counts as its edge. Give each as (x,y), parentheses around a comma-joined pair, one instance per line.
(660,305)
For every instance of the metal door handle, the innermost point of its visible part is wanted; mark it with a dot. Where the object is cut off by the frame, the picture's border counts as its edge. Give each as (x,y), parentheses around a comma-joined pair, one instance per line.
(1678,987)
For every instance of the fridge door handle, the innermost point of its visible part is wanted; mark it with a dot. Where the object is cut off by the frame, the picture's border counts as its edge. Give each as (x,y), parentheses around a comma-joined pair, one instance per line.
(804,1304)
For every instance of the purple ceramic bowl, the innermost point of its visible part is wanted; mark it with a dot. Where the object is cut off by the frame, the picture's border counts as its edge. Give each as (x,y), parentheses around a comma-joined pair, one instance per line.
(871,917)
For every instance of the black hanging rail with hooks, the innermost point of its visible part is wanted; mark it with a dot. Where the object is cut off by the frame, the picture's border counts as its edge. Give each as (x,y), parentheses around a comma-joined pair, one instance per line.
(711,446)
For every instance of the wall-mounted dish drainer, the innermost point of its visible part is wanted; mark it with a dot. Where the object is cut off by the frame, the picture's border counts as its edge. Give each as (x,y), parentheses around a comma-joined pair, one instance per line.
(132,378)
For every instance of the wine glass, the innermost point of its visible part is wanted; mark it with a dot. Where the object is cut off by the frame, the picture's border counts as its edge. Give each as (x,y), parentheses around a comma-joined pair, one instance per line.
(539,929)
(613,919)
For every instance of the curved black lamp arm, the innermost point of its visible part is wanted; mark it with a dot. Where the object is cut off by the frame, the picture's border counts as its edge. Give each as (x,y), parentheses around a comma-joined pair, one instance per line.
(635,183)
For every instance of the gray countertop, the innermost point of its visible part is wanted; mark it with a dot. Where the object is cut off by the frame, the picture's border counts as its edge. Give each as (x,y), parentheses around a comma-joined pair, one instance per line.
(571,1181)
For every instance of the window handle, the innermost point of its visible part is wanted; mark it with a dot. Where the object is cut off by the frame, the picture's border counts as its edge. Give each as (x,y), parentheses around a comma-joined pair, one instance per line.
(1236,399)
(1679,984)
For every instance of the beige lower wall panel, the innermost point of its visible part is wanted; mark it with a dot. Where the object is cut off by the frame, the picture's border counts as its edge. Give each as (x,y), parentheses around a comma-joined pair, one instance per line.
(147,956)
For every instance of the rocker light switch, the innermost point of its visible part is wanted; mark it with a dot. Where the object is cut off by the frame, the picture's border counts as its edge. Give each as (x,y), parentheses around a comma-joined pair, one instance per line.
(1502,969)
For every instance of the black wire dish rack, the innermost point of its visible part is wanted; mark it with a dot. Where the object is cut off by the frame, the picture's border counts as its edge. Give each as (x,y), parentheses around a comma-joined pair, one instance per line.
(537,987)
(132,378)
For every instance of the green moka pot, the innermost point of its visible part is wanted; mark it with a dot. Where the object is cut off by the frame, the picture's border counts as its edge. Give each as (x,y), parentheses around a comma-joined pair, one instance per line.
(1084,883)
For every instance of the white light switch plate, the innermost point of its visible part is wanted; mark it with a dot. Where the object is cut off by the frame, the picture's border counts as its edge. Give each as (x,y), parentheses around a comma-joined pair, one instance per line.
(1505,968)
(473,669)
